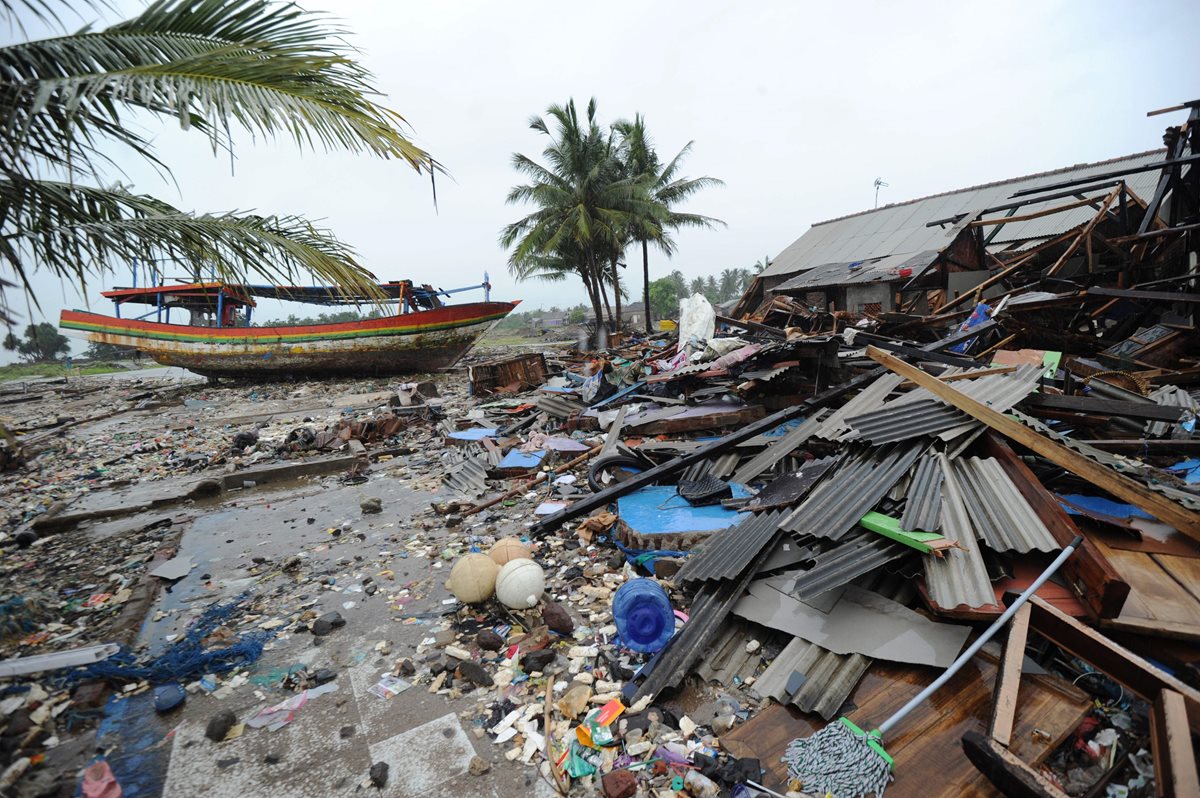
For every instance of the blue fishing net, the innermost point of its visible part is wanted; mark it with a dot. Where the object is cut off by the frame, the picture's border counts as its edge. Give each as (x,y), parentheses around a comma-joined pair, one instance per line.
(184,659)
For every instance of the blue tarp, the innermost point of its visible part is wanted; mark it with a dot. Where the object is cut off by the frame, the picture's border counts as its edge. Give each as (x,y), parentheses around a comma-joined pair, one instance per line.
(1096,504)
(473,434)
(659,508)
(1188,470)
(519,459)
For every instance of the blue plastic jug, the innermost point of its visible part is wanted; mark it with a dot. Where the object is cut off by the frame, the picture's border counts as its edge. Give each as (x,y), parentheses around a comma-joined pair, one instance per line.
(644,615)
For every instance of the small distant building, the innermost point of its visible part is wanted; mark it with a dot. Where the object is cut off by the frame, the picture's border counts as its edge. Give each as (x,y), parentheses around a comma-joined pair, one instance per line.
(544,320)
(633,315)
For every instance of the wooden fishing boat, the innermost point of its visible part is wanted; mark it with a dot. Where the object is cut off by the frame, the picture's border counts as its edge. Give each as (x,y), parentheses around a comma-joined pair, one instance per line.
(218,340)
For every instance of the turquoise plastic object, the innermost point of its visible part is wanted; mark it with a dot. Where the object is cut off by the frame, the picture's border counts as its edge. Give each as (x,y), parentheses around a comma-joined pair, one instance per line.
(644,615)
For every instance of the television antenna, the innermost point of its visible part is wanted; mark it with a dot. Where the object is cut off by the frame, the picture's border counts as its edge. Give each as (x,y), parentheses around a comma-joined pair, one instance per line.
(878,184)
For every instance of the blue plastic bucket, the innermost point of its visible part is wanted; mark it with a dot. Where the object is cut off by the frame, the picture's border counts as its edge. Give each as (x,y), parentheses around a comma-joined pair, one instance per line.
(644,615)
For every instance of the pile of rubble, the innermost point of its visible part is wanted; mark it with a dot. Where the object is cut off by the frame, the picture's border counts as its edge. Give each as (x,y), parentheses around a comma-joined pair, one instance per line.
(672,567)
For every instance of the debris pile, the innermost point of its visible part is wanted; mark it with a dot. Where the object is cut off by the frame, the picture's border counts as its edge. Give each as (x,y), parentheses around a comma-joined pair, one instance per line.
(659,568)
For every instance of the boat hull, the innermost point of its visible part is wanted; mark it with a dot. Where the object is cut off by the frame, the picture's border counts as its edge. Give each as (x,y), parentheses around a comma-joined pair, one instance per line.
(405,344)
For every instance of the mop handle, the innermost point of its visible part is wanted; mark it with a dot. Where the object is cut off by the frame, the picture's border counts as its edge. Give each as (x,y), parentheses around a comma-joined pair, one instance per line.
(983,638)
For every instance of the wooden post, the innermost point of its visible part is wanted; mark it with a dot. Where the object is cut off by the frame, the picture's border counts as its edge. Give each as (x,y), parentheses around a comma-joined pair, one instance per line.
(1008,678)
(1105,478)
(1174,760)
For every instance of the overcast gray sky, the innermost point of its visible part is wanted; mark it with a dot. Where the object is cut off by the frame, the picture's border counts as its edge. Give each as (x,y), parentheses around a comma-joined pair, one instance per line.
(798,107)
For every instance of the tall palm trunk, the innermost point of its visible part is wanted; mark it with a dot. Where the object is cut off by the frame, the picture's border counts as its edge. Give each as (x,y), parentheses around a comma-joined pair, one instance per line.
(646,282)
(616,281)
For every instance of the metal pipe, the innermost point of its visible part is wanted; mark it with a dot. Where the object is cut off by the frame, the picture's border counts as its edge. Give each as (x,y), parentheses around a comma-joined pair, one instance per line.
(965,657)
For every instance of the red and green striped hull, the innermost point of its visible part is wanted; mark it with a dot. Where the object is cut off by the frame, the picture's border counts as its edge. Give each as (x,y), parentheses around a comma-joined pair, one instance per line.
(405,344)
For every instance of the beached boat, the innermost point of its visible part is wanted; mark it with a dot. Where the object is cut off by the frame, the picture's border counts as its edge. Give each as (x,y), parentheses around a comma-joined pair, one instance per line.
(218,340)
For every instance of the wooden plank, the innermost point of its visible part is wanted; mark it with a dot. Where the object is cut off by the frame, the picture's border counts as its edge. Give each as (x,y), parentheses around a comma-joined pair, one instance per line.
(1088,573)
(1184,570)
(1102,477)
(1084,234)
(1171,743)
(1008,678)
(1149,296)
(967,375)
(1089,404)
(1117,661)
(1025,217)
(1009,774)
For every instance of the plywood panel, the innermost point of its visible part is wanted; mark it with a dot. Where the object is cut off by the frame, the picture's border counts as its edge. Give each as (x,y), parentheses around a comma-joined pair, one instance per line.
(1158,602)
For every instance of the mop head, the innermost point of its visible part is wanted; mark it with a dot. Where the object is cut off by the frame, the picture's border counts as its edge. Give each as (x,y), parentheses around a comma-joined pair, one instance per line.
(841,760)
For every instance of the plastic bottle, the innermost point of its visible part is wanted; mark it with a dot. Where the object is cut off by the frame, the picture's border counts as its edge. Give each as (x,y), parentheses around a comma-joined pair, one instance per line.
(644,615)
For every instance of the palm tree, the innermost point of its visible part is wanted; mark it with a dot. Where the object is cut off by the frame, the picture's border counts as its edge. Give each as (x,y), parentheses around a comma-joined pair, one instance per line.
(696,286)
(667,190)
(585,208)
(270,69)
(730,283)
(763,264)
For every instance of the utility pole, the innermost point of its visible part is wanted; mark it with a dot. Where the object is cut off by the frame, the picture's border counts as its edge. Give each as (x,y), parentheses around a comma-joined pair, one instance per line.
(878,183)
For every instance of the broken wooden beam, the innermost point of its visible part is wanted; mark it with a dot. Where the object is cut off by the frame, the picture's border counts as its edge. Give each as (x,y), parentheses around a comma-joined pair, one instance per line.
(1119,485)
(1005,770)
(1118,662)
(1106,407)
(1008,679)
(1171,744)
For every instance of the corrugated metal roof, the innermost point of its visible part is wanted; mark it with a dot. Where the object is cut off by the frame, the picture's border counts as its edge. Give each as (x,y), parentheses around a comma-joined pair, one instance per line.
(878,270)
(899,421)
(844,562)
(726,553)
(720,467)
(1001,516)
(827,678)
(469,477)
(1169,396)
(900,228)
(559,407)
(727,661)
(778,449)
(959,578)
(850,492)
(923,504)
(711,606)
(868,399)
(919,412)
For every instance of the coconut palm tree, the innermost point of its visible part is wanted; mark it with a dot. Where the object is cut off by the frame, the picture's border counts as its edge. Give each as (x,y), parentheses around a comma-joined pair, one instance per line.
(666,188)
(264,67)
(585,207)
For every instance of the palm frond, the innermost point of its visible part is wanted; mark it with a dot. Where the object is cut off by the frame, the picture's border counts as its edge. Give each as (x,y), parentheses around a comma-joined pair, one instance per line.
(75,231)
(273,69)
